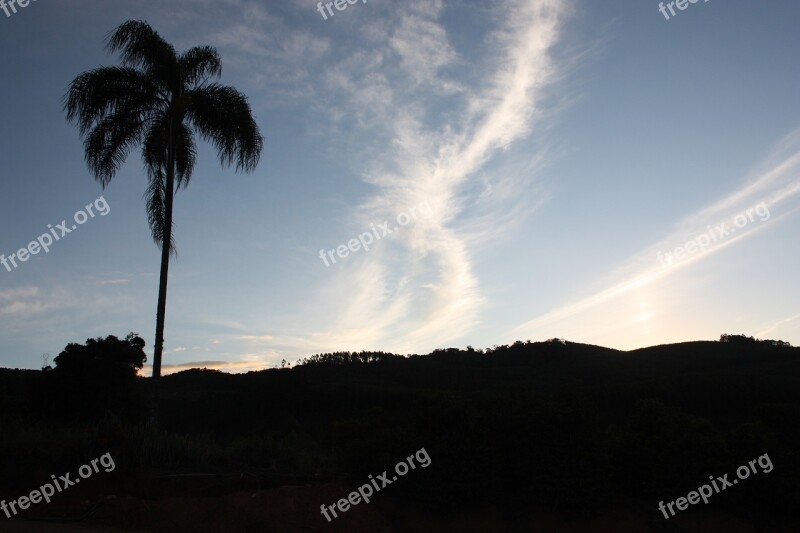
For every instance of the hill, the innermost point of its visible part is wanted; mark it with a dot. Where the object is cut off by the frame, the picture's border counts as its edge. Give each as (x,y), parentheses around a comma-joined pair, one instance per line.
(552,428)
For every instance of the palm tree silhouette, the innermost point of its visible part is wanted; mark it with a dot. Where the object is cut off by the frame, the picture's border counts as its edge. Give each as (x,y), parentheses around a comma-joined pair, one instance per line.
(159,99)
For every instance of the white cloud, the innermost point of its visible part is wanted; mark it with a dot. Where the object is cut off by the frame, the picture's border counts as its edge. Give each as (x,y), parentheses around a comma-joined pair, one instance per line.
(417,290)
(13,294)
(258,338)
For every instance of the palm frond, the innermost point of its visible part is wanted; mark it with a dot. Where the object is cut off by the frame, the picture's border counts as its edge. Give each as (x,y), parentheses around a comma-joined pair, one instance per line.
(142,47)
(155,198)
(108,145)
(199,64)
(185,156)
(222,116)
(154,150)
(98,93)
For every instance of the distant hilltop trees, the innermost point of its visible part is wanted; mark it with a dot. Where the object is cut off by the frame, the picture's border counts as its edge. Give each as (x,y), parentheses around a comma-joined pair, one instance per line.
(744,340)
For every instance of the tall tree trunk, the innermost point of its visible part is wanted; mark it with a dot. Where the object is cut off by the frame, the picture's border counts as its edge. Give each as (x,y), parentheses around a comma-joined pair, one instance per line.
(162,283)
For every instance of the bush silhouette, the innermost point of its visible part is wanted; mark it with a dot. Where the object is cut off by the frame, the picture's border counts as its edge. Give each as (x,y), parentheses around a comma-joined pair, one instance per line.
(109,357)
(99,376)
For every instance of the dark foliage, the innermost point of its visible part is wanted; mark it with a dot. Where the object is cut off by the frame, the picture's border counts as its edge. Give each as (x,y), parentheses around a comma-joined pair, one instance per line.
(744,340)
(97,377)
(109,358)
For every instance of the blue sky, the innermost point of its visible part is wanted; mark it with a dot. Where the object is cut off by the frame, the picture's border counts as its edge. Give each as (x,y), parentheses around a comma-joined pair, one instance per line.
(554,153)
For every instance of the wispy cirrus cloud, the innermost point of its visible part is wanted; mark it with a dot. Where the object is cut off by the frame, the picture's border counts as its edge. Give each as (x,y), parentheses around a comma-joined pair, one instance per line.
(418,290)
(23,302)
(777,326)
(22,292)
(259,338)
(119,281)
(775,183)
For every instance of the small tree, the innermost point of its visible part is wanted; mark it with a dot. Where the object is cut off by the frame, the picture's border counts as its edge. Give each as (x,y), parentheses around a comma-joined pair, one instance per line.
(109,358)
(90,379)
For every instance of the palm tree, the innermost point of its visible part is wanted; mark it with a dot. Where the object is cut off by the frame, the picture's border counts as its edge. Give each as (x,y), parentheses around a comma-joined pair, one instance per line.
(158,99)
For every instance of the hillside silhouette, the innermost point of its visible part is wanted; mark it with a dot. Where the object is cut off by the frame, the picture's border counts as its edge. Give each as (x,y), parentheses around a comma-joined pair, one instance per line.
(555,427)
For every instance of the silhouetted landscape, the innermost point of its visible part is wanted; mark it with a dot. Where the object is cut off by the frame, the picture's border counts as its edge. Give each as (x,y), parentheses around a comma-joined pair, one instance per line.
(520,436)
